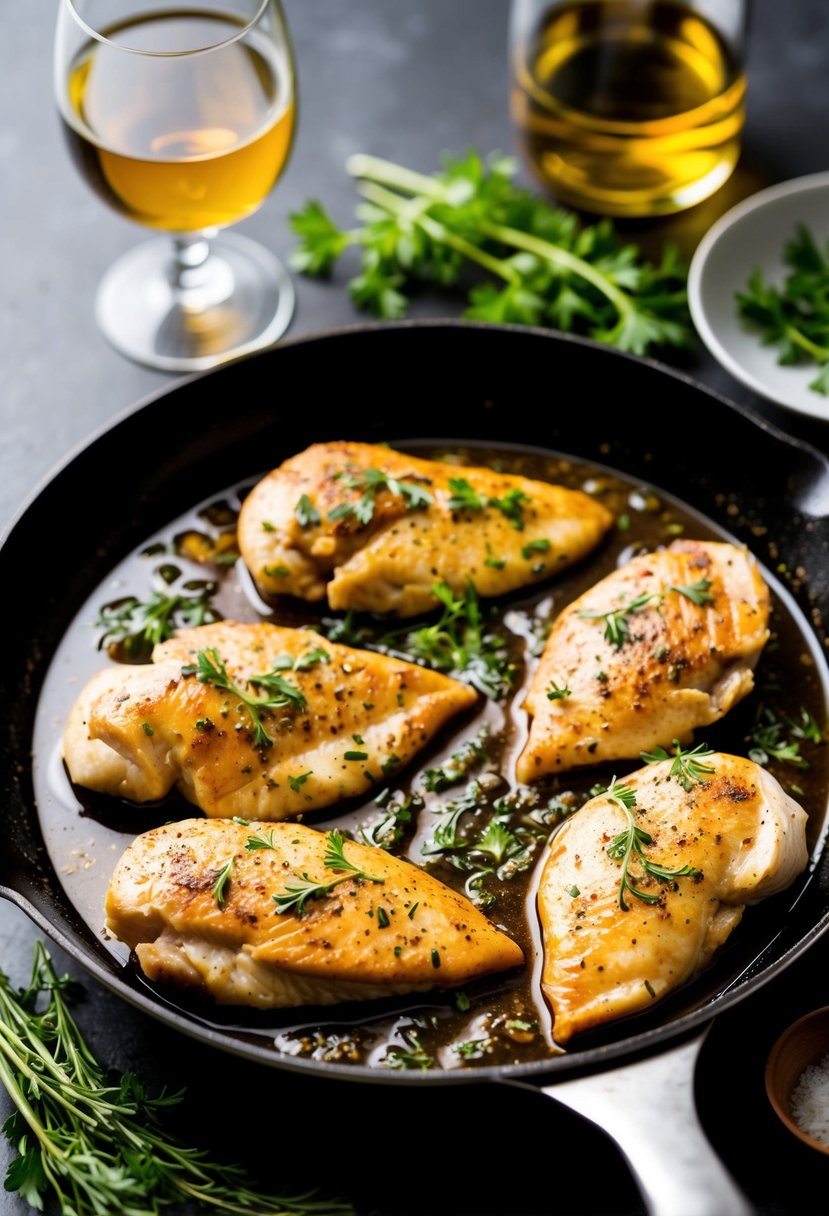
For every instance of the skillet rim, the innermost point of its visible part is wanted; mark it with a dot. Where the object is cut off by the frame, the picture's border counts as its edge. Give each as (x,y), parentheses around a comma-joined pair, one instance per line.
(534,1073)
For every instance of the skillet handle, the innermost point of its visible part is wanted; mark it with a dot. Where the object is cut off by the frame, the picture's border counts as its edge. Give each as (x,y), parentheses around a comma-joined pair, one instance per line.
(648,1109)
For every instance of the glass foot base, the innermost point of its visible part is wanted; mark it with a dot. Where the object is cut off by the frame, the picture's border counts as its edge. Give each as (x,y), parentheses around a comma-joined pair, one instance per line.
(239,299)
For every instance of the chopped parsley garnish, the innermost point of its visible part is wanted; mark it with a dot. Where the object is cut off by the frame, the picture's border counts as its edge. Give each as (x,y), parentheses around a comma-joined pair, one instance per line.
(557,692)
(306,513)
(535,546)
(352,755)
(512,506)
(296,783)
(464,498)
(415,496)
(147,729)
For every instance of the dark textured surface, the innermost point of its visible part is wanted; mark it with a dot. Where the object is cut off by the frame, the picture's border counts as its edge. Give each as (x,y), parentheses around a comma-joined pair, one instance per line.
(405,82)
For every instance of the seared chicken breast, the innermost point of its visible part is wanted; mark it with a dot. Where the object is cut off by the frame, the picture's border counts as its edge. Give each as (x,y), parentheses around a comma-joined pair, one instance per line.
(732,839)
(374,529)
(662,646)
(376,926)
(286,722)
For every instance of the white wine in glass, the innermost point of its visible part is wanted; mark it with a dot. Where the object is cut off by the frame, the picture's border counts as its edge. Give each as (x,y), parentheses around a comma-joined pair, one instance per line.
(181,117)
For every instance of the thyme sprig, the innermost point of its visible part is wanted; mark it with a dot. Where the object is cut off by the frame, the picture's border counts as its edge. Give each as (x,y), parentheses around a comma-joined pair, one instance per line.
(297,893)
(769,741)
(630,844)
(617,620)
(209,668)
(222,879)
(95,1144)
(687,766)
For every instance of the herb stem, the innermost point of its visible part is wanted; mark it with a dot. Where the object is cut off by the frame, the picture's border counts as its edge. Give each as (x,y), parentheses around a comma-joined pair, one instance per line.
(561,258)
(374,168)
(437,231)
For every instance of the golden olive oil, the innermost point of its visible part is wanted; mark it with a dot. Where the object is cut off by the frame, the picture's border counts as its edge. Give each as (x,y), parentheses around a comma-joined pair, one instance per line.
(180,142)
(628,107)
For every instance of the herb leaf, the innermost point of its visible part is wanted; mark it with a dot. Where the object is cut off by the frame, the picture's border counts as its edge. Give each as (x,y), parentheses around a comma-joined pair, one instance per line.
(92,1142)
(297,893)
(630,844)
(464,498)
(306,513)
(133,626)
(370,480)
(222,879)
(794,318)
(209,668)
(687,766)
(534,263)
(458,643)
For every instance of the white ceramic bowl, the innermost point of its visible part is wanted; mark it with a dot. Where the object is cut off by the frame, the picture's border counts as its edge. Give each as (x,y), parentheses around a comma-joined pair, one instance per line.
(753,234)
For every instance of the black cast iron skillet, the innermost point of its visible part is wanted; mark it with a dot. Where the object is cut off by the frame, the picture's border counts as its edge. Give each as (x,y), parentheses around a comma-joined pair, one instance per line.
(436,379)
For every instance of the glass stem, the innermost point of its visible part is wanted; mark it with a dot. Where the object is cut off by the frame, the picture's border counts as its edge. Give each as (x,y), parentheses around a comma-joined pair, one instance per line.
(198,279)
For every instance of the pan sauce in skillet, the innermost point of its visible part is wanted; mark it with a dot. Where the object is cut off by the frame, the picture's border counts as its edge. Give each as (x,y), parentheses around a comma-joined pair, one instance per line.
(500,1019)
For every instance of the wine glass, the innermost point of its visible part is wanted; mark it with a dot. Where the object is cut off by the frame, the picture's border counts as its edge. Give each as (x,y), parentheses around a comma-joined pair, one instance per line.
(181,117)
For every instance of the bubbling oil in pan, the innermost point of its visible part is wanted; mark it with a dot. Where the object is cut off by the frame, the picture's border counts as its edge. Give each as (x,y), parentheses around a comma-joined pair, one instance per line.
(500,1019)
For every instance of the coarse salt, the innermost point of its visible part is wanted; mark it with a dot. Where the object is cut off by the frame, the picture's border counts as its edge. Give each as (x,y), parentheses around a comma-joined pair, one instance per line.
(810,1100)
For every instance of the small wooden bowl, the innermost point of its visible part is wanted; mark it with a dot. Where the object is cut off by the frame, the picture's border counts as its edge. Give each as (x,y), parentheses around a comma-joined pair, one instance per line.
(805,1042)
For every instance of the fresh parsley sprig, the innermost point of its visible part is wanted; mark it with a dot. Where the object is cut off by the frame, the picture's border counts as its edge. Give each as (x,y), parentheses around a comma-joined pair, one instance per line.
(297,893)
(535,265)
(209,668)
(94,1143)
(458,643)
(132,627)
(687,766)
(794,318)
(617,620)
(630,844)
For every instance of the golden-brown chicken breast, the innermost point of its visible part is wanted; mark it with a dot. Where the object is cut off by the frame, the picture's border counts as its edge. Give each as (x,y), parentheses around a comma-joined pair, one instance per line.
(662,646)
(375,529)
(255,720)
(218,906)
(612,947)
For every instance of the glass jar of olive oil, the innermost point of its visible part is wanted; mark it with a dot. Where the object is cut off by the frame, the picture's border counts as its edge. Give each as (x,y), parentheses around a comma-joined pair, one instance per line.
(629,107)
